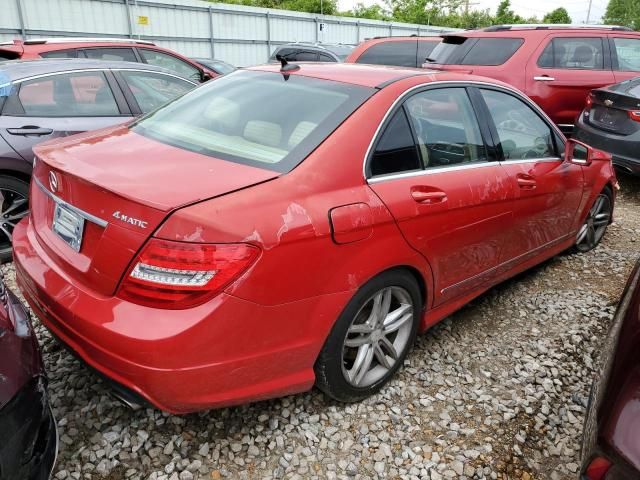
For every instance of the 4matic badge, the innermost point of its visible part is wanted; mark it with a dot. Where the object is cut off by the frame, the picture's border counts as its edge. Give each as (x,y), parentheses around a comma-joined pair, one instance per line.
(130,220)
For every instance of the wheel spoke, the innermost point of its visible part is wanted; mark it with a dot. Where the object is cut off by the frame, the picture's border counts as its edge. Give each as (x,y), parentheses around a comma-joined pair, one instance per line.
(375,309)
(388,346)
(6,232)
(591,235)
(17,217)
(583,233)
(597,206)
(16,203)
(362,363)
(394,320)
(357,342)
(382,358)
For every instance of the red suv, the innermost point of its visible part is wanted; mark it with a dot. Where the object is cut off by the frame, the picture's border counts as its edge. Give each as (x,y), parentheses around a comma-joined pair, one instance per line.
(400,51)
(556,66)
(128,50)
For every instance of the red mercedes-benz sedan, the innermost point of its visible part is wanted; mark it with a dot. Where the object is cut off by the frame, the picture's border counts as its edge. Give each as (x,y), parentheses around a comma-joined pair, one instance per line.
(285,226)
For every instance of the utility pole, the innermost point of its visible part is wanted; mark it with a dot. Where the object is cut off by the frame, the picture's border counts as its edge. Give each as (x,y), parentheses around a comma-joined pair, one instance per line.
(589,11)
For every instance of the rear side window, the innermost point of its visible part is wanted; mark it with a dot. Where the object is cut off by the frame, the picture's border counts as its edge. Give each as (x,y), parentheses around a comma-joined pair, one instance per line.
(424,50)
(152,90)
(628,54)
(305,56)
(60,54)
(446,127)
(69,95)
(396,150)
(323,57)
(492,51)
(401,53)
(161,59)
(118,54)
(573,52)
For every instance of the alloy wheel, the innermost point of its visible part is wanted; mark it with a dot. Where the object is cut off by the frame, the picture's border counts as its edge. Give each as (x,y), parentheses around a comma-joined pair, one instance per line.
(377,337)
(595,225)
(14,207)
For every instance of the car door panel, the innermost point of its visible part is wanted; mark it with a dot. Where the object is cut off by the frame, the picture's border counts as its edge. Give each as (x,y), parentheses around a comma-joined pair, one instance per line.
(560,75)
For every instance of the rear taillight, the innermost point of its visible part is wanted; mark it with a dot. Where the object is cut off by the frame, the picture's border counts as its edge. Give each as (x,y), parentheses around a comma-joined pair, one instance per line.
(634,115)
(597,469)
(589,102)
(177,275)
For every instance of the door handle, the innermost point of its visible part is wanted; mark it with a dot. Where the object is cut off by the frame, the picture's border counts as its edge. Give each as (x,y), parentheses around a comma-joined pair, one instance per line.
(526,182)
(30,130)
(421,196)
(544,78)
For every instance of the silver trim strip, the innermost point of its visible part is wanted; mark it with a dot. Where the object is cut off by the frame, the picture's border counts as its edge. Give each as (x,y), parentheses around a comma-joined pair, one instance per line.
(430,171)
(96,69)
(461,83)
(529,160)
(87,216)
(39,41)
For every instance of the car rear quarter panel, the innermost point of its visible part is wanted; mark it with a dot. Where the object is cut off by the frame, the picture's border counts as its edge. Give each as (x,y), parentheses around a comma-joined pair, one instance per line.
(597,176)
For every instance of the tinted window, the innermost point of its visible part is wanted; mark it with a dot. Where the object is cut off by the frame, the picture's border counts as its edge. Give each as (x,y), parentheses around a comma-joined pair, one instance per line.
(446,127)
(69,95)
(628,53)
(424,50)
(492,51)
(170,62)
(285,52)
(450,50)
(60,54)
(304,56)
(152,90)
(573,52)
(522,133)
(395,151)
(124,54)
(258,118)
(401,53)
(323,57)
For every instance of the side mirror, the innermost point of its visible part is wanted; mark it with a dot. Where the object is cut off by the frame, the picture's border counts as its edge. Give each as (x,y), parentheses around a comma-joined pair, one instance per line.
(205,76)
(578,152)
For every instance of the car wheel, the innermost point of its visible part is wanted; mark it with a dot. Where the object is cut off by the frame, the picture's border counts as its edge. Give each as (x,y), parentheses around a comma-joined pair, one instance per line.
(14,197)
(371,338)
(595,225)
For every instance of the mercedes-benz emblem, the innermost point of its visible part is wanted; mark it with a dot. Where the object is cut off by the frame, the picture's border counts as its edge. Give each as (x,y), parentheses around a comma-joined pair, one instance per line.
(53,181)
(608,102)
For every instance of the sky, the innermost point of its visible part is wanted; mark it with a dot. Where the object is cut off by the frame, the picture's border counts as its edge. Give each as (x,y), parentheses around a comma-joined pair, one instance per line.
(577,8)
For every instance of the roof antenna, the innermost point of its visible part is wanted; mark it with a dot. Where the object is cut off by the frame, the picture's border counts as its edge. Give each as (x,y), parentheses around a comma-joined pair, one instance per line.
(286,66)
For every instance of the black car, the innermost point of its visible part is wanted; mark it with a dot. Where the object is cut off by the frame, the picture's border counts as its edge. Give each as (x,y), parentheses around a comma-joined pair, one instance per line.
(312,52)
(611,122)
(29,439)
(218,66)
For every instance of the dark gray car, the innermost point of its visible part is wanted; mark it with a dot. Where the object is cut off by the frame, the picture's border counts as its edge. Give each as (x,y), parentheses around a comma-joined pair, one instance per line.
(45,99)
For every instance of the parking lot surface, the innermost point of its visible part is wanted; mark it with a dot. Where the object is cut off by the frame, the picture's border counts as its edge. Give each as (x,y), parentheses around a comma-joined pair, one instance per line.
(498,390)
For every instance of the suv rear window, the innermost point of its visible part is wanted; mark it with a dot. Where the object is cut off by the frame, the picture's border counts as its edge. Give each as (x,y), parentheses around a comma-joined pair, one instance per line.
(401,54)
(489,51)
(263,119)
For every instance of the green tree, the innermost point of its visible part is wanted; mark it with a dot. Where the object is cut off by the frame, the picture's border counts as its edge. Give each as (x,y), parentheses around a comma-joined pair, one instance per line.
(623,12)
(504,14)
(559,15)
(373,12)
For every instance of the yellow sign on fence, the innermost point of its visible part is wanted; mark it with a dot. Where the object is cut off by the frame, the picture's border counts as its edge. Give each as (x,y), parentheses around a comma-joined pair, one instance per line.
(142,20)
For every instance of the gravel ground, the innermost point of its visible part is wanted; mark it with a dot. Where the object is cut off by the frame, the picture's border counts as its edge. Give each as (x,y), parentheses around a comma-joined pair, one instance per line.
(498,390)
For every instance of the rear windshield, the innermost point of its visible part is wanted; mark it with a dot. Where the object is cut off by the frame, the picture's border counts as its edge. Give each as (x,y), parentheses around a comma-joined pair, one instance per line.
(263,119)
(474,51)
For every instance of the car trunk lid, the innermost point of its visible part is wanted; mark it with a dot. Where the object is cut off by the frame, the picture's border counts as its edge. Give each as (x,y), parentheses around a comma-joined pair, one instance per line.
(611,111)
(114,202)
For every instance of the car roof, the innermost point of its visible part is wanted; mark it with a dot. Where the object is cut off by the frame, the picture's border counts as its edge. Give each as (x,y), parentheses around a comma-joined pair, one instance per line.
(336,48)
(535,29)
(19,69)
(372,76)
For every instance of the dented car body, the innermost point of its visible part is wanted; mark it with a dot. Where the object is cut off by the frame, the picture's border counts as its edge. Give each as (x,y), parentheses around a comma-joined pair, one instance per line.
(270,203)
(29,438)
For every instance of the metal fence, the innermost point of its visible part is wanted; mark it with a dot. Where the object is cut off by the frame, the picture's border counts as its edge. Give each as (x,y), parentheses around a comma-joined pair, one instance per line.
(238,34)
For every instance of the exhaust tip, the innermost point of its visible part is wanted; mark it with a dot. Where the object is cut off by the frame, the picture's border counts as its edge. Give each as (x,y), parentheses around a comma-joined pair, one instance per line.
(128,402)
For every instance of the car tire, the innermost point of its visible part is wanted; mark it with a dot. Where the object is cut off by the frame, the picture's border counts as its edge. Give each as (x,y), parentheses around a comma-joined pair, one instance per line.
(14,205)
(593,229)
(384,315)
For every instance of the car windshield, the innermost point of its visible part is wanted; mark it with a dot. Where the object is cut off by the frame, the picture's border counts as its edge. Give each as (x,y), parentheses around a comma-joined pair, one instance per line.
(263,119)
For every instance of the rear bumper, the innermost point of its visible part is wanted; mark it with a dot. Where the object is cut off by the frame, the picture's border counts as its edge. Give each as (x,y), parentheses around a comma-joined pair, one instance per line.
(225,352)
(625,149)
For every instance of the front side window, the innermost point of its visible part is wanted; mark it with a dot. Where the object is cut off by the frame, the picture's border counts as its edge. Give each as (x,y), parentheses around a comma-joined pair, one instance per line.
(69,95)
(574,53)
(160,59)
(401,53)
(116,54)
(262,119)
(395,151)
(492,51)
(446,127)
(628,54)
(521,132)
(152,90)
